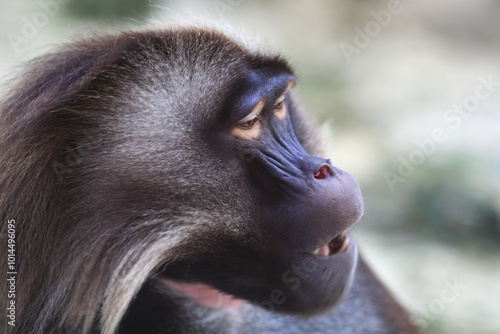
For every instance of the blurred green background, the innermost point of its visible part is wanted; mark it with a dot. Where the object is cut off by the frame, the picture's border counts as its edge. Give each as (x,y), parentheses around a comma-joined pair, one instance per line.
(380,77)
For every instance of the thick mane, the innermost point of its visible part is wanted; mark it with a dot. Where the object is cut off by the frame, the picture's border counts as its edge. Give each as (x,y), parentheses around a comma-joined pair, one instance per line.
(37,120)
(47,120)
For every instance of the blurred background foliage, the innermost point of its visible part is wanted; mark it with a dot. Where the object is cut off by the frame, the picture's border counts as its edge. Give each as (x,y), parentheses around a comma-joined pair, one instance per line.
(119,10)
(441,223)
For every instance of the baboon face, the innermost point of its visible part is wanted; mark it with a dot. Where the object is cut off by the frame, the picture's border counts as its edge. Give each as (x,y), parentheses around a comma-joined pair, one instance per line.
(205,141)
(180,156)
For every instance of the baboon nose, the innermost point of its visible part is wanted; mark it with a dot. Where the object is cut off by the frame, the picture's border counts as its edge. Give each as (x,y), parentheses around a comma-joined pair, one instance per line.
(324,171)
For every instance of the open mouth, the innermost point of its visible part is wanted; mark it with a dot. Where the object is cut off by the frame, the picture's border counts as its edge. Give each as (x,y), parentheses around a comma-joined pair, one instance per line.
(337,245)
(329,277)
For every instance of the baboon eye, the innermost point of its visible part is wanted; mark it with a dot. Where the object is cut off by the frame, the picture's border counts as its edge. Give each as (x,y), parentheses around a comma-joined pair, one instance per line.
(249,128)
(279,107)
(279,104)
(249,124)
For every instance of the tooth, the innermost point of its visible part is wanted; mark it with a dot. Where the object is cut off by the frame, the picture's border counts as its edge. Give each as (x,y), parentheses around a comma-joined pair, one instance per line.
(344,246)
(316,251)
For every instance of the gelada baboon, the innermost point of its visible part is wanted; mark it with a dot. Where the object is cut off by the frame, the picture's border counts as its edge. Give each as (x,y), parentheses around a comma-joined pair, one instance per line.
(166,181)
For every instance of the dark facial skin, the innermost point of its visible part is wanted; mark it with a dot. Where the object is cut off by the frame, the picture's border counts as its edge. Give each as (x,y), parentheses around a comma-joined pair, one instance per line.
(301,204)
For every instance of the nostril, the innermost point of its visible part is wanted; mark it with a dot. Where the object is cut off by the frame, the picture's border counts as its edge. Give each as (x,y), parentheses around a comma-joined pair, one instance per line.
(323,172)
